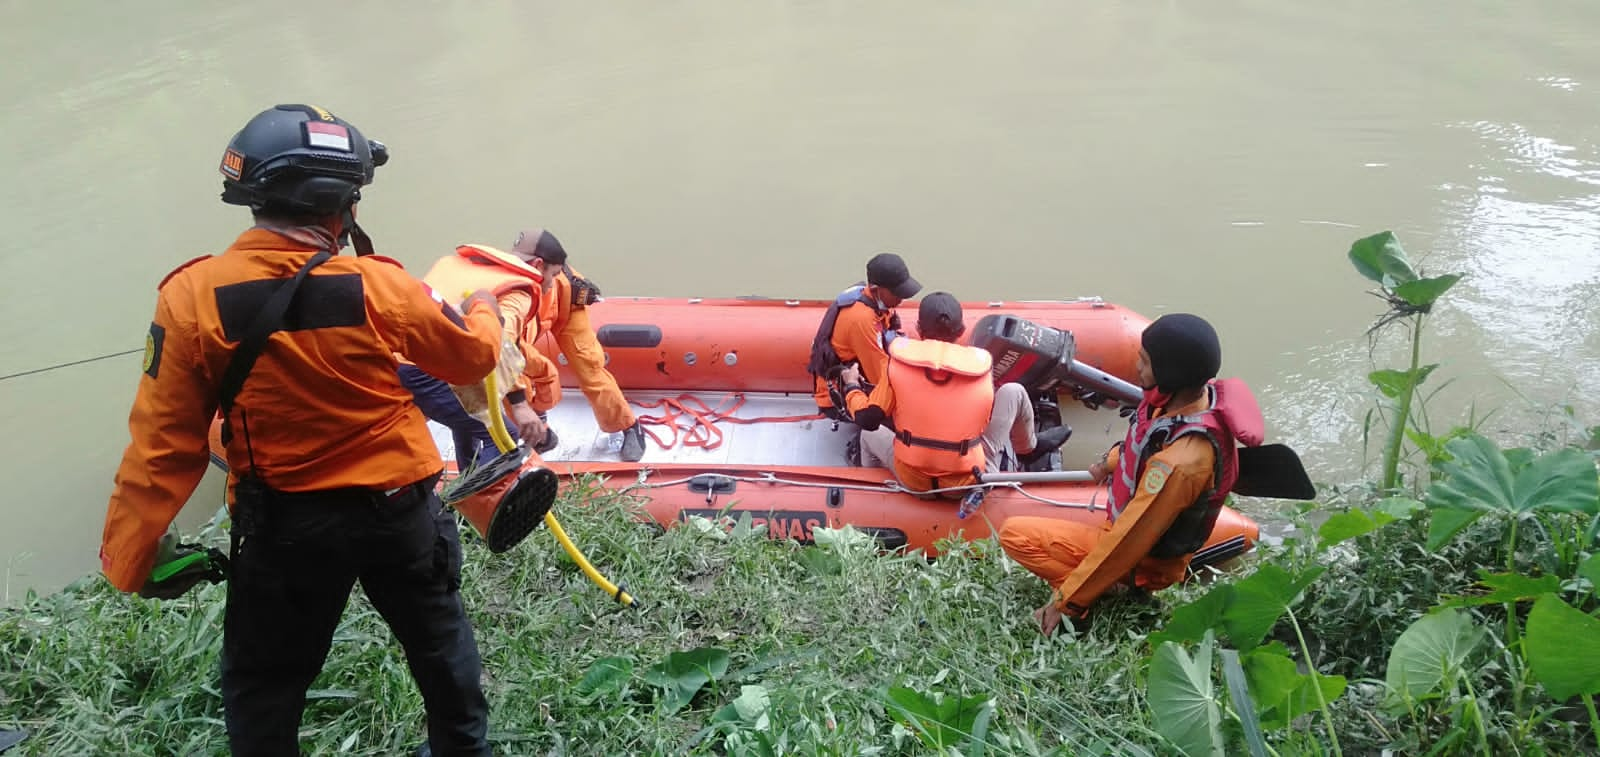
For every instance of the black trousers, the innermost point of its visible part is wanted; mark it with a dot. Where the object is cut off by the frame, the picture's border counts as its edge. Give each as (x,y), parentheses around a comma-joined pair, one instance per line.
(295,559)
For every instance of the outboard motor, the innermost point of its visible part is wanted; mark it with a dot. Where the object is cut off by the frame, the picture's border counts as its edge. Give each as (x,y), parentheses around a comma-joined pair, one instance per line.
(1042,360)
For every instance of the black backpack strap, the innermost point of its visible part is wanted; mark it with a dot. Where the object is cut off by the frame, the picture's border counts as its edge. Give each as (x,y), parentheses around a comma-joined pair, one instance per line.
(268,321)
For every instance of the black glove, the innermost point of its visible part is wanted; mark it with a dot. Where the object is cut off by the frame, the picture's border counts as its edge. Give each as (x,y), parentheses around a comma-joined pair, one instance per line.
(180,566)
(584,292)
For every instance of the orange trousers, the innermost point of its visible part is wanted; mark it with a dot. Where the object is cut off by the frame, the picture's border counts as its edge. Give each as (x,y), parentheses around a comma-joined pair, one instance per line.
(577,341)
(1052,549)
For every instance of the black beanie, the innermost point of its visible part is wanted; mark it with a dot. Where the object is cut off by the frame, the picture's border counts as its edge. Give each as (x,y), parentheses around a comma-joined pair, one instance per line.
(1184,351)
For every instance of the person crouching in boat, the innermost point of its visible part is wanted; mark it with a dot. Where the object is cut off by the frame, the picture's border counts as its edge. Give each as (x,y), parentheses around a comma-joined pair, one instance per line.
(857,329)
(937,416)
(565,313)
(517,291)
(502,494)
(1169,478)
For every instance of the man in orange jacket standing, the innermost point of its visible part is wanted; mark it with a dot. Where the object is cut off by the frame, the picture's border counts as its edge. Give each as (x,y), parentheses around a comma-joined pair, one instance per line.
(1169,478)
(332,466)
(565,313)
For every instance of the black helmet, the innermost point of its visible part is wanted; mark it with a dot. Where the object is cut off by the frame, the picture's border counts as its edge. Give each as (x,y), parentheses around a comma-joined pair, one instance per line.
(299,159)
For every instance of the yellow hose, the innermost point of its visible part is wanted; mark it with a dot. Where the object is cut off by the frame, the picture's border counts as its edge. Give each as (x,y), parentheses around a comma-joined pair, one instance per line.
(502,440)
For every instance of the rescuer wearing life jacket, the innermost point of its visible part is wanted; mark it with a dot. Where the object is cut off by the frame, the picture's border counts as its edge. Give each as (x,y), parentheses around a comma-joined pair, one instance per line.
(565,313)
(332,467)
(937,415)
(527,374)
(857,328)
(1169,477)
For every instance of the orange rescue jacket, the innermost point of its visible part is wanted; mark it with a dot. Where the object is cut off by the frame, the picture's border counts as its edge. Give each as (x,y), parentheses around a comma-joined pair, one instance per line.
(943,397)
(323,407)
(515,285)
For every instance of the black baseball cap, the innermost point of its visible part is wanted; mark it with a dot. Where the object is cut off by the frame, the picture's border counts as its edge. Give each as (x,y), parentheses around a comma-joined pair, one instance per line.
(939,317)
(887,270)
(541,244)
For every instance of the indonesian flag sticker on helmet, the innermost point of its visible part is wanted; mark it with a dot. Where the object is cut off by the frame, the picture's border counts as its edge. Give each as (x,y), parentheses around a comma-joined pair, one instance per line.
(326,135)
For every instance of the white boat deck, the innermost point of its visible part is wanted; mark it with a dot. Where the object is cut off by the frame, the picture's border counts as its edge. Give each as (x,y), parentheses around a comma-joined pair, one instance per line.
(791,443)
(804,443)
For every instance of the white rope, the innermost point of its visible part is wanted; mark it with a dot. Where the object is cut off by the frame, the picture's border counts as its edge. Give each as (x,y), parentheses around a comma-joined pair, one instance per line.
(889,486)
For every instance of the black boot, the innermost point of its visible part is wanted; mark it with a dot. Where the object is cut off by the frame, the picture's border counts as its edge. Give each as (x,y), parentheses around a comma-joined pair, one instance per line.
(1045,442)
(632,443)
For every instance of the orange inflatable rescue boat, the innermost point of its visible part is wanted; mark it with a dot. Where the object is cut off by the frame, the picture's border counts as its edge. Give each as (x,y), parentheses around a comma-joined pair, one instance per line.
(721,390)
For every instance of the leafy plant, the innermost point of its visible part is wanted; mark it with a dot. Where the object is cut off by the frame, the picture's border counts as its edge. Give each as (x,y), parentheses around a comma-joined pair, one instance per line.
(1182,705)
(942,720)
(1245,611)
(1382,260)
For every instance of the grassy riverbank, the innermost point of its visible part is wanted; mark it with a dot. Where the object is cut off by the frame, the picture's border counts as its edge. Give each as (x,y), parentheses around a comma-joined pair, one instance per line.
(824,650)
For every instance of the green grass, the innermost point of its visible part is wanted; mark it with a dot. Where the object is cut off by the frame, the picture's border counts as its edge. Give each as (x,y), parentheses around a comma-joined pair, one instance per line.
(824,630)
(819,634)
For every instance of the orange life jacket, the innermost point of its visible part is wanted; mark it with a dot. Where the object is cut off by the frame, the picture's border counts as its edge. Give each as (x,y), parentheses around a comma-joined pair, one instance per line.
(478,267)
(943,395)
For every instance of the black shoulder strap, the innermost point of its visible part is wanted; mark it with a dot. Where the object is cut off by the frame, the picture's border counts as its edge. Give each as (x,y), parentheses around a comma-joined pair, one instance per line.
(268,321)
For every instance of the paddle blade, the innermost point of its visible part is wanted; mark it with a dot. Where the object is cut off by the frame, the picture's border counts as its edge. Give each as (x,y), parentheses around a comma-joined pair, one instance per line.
(1272,470)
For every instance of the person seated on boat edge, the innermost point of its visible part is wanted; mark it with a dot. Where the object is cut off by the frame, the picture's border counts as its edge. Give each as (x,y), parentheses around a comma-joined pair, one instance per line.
(1169,478)
(857,328)
(565,313)
(518,292)
(331,466)
(937,419)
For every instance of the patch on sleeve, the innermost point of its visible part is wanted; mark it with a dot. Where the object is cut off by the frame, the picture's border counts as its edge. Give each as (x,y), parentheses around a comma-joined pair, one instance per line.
(1155,476)
(152,349)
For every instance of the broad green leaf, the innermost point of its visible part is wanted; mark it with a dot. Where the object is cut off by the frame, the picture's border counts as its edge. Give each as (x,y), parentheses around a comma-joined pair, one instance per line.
(749,708)
(1402,508)
(940,721)
(1394,383)
(1391,382)
(605,675)
(682,674)
(1481,478)
(1272,676)
(1244,704)
(1563,646)
(1506,587)
(1519,458)
(1590,569)
(1423,292)
(1428,656)
(846,539)
(1350,524)
(1304,698)
(1190,622)
(1445,524)
(1181,703)
(1381,259)
(1260,599)
(821,562)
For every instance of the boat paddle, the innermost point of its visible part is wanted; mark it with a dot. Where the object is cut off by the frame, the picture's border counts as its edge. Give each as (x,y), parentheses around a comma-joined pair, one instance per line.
(1270,470)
